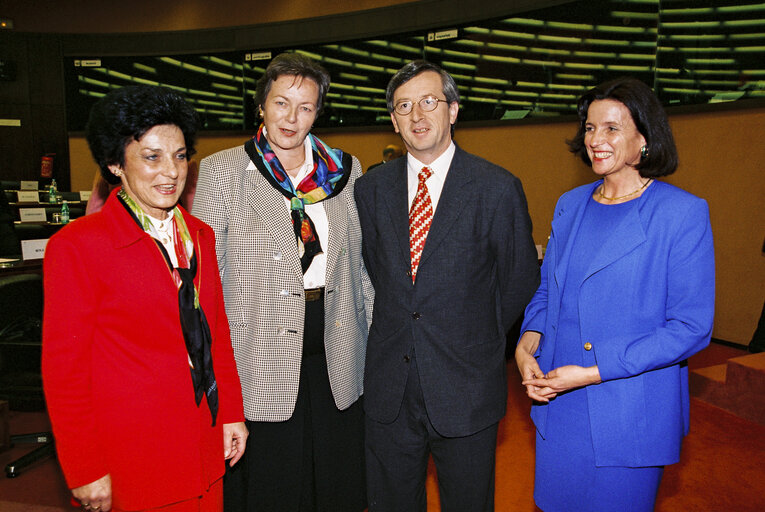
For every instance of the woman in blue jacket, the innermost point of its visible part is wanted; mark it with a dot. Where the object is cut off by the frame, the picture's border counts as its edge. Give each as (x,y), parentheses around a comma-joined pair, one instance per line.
(627,295)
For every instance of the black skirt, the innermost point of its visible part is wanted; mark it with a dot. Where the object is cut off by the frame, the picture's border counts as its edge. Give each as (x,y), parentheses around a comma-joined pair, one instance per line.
(314,461)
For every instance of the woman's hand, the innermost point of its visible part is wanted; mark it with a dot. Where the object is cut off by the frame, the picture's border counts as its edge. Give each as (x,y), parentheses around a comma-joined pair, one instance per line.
(528,366)
(234,441)
(95,496)
(563,379)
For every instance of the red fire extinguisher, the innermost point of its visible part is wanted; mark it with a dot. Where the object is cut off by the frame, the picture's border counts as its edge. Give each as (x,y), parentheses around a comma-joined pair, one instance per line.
(46,165)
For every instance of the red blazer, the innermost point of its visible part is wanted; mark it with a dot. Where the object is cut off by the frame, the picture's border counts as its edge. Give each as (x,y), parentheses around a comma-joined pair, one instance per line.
(115,368)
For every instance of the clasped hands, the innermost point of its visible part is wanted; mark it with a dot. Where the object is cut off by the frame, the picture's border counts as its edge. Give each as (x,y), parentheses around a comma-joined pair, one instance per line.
(542,387)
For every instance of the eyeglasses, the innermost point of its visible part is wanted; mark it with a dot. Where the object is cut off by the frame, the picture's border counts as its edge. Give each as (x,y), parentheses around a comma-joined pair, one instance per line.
(427,104)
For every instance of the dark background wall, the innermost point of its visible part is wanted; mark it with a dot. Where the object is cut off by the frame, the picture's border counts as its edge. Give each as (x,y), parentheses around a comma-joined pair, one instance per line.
(44,31)
(35,97)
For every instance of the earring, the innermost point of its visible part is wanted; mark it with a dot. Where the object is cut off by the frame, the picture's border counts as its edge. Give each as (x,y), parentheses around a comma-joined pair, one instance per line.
(643,152)
(117,173)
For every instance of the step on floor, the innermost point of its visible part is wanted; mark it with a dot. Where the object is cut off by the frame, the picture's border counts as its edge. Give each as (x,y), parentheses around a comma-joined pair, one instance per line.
(737,386)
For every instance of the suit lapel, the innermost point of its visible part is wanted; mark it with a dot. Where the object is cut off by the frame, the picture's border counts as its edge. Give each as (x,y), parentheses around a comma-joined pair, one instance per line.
(268,204)
(450,204)
(397,200)
(564,227)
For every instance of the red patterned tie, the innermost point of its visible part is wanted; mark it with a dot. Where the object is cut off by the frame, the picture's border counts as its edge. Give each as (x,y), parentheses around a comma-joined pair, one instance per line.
(420,217)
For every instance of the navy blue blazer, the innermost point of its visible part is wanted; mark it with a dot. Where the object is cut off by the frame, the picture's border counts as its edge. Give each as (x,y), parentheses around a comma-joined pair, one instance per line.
(646,304)
(477,272)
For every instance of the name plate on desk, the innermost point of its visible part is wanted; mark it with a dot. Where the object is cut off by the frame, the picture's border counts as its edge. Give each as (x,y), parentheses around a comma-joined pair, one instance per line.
(28,185)
(28,196)
(33,249)
(32,215)
(85,195)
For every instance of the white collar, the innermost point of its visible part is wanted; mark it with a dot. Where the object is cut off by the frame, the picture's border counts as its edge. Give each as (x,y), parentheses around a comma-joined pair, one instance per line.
(439,166)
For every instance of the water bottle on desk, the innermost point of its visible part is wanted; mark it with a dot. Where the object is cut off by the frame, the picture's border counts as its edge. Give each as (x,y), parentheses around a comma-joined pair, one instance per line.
(65,213)
(52,192)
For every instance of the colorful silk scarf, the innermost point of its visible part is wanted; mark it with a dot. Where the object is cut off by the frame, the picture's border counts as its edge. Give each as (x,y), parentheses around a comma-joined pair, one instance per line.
(329,175)
(196,331)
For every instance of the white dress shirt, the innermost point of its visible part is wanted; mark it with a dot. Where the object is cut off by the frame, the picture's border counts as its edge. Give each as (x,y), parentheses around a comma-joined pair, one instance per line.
(439,166)
(164,231)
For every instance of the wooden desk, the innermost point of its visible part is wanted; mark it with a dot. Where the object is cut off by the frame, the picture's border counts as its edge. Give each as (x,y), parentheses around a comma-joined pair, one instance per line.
(21,267)
(41,204)
(36,230)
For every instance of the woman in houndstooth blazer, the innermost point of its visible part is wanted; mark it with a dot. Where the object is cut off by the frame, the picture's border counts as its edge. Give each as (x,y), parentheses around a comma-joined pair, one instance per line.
(298,298)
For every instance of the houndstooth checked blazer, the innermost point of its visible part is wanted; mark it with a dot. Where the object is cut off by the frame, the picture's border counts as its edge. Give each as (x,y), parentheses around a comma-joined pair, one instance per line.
(263,285)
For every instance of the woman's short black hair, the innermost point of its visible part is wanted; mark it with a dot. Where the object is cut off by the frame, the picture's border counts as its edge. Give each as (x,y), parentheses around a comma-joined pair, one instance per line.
(293,64)
(649,118)
(127,113)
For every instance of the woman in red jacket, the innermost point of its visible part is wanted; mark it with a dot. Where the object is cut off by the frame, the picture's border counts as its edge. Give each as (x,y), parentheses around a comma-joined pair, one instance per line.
(139,375)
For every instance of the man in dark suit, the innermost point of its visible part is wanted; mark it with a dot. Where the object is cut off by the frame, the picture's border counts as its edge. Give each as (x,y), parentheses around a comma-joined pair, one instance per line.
(390,152)
(447,244)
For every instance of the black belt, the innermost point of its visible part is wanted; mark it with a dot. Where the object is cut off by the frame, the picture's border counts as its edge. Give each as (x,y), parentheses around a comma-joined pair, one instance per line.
(313,294)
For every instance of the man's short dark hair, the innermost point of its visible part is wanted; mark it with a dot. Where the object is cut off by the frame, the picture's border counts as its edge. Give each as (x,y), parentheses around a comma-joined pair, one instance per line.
(125,115)
(649,118)
(413,69)
(293,64)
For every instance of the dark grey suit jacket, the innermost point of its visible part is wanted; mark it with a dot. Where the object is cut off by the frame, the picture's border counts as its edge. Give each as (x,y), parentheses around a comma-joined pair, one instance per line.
(478,271)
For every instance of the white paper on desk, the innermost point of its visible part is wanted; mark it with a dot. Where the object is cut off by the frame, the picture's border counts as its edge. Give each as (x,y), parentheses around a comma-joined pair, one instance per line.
(32,214)
(28,185)
(33,249)
(85,195)
(28,196)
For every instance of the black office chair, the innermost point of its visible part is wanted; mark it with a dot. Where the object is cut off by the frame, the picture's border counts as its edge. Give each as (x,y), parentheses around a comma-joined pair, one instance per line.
(75,212)
(10,244)
(10,184)
(9,241)
(21,305)
(30,231)
(70,196)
